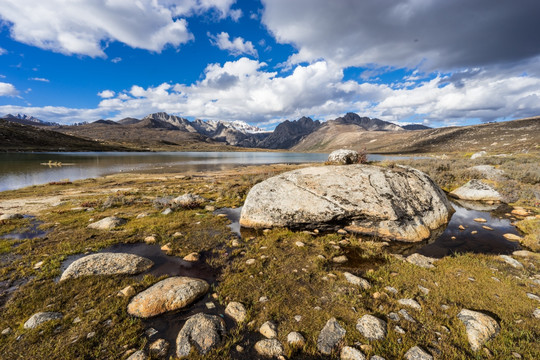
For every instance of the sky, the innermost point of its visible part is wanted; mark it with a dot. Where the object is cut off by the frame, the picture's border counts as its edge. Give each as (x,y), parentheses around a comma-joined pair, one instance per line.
(434,62)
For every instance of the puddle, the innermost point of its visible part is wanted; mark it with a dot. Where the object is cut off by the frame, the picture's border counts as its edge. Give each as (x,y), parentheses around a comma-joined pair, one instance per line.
(234,216)
(30,231)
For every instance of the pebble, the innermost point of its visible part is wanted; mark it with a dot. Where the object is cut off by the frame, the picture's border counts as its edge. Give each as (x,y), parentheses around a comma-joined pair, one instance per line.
(193,257)
(7,331)
(298,318)
(263,299)
(235,243)
(342,232)
(425,290)
(393,316)
(480,220)
(474,232)
(299,244)
(399,330)
(411,303)
(417,353)
(268,330)
(250,261)
(239,348)
(166,247)
(167,211)
(38,265)
(536,313)
(533,297)
(511,261)
(150,239)
(90,334)
(406,315)
(340,259)
(128,291)
(512,237)
(461,227)
(296,339)
(391,289)
(210,305)
(159,348)
(487,228)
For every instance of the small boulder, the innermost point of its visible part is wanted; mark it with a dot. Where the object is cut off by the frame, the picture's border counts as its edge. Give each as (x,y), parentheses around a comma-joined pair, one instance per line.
(511,261)
(128,291)
(417,353)
(350,353)
(405,314)
(330,336)
(108,223)
(189,201)
(159,348)
(40,318)
(343,157)
(269,330)
(192,257)
(10,216)
(512,237)
(356,280)
(342,259)
(478,155)
(410,303)
(236,311)
(138,355)
(371,327)
(203,331)
(269,348)
(476,190)
(480,327)
(107,264)
(296,339)
(421,260)
(167,295)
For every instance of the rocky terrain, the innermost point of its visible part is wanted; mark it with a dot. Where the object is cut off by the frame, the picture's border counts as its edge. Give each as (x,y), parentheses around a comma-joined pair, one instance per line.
(139,266)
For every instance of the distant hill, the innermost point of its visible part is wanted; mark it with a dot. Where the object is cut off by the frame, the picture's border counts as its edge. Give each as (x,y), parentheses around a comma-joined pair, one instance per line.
(19,137)
(415,127)
(27,120)
(288,133)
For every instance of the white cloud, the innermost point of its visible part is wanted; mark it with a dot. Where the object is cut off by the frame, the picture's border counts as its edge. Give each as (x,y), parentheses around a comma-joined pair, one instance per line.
(84,27)
(39,79)
(116,60)
(3,51)
(440,35)
(106,94)
(235,47)
(7,89)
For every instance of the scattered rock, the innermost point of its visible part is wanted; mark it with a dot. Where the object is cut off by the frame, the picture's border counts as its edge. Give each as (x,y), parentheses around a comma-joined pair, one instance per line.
(189,201)
(536,314)
(340,259)
(269,330)
(235,243)
(533,296)
(10,216)
(391,289)
(236,311)
(424,290)
(393,316)
(342,232)
(511,261)
(7,331)
(405,314)
(478,155)
(38,265)
(40,318)
(371,327)
(166,248)
(401,204)
(296,339)
(269,348)
(520,211)
(350,353)
(128,291)
(421,260)
(108,223)
(141,215)
(193,257)
(159,348)
(480,220)
(512,237)
(490,172)
(376,357)
(478,191)
(461,227)
(330,336)
(299,244)
(167,295)
(487,228)
(480,327)
(411,303)
(263,299)
(138,355)
(343,157)
(417,353)
(167,211)
(203,331)
(356,280)
(150,239)
(298,318)
(107,264)
(250,261)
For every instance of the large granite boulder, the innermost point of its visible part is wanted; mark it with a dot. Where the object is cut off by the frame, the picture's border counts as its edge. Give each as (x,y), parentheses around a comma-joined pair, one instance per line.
(400,203)
(480,327)
(476,190)
(343,157)
(107,264)
(167,295)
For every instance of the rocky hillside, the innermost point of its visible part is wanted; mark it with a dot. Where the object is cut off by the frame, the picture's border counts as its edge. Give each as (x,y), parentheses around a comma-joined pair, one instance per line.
(18,137)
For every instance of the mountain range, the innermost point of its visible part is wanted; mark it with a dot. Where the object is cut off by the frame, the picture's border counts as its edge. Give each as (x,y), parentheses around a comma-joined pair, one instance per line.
(164,132)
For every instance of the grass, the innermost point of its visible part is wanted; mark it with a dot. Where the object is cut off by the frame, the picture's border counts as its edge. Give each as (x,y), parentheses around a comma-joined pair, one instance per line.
(296,280)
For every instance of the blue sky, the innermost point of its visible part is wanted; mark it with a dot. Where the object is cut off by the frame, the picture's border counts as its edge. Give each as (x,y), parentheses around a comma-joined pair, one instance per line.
(439,63)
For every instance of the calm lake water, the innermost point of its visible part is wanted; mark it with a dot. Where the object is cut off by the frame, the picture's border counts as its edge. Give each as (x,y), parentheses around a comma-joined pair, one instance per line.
(18,170)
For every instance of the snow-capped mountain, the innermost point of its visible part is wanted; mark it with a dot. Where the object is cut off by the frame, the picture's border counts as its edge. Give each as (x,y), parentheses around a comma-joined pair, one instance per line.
(27,120)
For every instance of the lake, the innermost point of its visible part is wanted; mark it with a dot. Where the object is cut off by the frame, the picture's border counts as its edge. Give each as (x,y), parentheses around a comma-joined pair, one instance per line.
(18,170)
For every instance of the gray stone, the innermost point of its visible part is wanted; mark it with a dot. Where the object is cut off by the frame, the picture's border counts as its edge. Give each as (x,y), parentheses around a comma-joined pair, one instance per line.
(417,353)
(138,355)
(108,223)
(202,331)
(356,280)
(480,327)
(391,289)
(269,348)
(511,261)
(342,259)
(478,155)
(421,260)
(350,353)
(402,204)
(159,348)
(7,331)
(410,303)
(236,311)
(488,171)
(41,318)
(371,327)
(167,211)
(423,289)
(399,330)
(269,330)
(343,157)
(393,316)
(536,314)
(478,191)
(189,201)
(10,216)
(533,296)
(107,264)
(406,315)
(167,295)
(296,339)
(330,336)
(376,357)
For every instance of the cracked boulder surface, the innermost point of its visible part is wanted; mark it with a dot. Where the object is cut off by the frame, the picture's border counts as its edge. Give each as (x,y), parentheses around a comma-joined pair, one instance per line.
(398,204)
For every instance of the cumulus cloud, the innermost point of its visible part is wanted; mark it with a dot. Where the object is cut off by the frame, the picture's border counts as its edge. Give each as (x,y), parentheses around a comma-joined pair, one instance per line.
(85,27)
(7,89)
(3,51)
(441,35)
(237,46)
(106,94)
(116,60)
